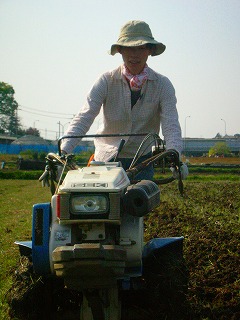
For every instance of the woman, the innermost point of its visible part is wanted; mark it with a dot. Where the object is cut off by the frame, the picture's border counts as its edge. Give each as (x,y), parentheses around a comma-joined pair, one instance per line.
(134,99)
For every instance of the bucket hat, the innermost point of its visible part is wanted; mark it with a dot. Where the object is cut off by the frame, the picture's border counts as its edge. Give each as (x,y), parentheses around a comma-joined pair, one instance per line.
(136,33)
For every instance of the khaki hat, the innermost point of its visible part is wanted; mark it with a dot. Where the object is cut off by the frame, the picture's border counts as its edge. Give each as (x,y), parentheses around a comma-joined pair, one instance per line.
(136,33)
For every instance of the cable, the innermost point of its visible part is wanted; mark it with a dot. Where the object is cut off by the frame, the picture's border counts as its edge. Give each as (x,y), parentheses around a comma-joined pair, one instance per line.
(67,114)
(44,115)
(156,140)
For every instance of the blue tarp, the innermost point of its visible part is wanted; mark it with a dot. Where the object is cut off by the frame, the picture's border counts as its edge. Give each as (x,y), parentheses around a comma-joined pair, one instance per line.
(16,149)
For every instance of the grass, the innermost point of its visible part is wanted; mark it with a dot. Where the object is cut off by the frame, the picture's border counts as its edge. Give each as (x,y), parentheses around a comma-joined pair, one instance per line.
(16,200)
(208,216)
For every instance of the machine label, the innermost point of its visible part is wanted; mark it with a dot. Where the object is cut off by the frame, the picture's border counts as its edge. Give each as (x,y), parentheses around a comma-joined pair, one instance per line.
(89,185)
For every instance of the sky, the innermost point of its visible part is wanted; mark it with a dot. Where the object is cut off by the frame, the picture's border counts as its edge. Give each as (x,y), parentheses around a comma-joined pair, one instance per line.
(52,52)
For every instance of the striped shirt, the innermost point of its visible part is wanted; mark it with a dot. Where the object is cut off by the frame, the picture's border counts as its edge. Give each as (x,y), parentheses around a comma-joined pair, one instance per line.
(156,106)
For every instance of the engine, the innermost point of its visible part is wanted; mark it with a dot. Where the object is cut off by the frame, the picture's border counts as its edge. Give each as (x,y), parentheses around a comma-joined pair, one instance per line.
(95,226)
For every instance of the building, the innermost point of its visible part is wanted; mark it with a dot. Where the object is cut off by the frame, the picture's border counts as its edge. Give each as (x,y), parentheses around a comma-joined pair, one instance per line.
(191,146)
(200,146)
(4,139)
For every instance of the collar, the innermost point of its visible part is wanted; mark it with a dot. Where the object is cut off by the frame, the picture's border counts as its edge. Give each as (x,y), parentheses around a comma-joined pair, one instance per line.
(117,74)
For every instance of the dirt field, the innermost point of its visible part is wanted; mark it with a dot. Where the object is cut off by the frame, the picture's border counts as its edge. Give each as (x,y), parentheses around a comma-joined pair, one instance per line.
(207,216)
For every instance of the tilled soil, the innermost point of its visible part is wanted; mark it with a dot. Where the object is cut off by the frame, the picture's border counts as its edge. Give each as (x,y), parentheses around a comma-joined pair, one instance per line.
(208,217)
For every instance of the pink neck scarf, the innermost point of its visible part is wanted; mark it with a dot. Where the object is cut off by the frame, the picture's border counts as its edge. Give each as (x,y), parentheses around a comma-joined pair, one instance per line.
(138,80)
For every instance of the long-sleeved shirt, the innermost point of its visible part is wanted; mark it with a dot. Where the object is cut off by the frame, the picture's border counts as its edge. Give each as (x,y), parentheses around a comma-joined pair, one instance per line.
(111,92)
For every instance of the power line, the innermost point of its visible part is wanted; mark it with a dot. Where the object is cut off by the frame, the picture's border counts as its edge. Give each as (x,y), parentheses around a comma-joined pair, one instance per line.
(44,115)
(66,114)
(41,129)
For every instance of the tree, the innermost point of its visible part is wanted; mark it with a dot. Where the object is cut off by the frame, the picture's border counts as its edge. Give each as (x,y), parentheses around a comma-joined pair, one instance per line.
(32,131)
(218,136)
(9,121)
(219,149)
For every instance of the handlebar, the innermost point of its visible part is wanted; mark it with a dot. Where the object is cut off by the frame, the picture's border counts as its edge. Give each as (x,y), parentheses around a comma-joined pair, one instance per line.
(170,156)
(98,136)
(173,158)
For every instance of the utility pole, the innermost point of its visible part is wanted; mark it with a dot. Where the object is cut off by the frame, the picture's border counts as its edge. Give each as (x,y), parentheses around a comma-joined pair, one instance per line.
(225,126)
(59,129)
(34,126)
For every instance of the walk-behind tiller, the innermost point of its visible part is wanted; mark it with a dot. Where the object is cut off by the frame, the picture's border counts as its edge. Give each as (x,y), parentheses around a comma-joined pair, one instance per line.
(91,234)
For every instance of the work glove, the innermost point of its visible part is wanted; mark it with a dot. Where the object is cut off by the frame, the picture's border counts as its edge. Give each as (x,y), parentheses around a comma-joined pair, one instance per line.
(45,178)
(184,171)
